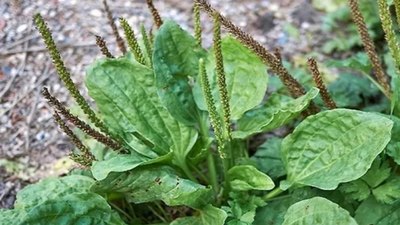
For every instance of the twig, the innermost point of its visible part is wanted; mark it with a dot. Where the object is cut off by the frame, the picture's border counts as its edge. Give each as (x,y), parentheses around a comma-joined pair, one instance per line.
(42,48)
(44,77)
(21,41)
(20,69)
(29,120)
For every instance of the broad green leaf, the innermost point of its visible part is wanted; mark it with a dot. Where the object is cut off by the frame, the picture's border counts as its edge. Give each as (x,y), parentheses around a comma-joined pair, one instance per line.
(388,192)
(373,212)
(352,91)
(379,172)
(333,147)
(157,183)
(315,211)
(357,190)
(127,99)
(393,148)
(275,113)
(121,163)
(247,177)
(246,78)
(273,213)
(76,208)
(51,188)
(175,59)
(268,158)
(10,216)
(209,215)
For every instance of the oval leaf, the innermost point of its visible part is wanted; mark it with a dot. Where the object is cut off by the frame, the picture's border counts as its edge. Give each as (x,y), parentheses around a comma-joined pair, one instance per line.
(78,208)
(157,183)
(175,59)
(247,177)
(275,113)
(127,99)
(246,78)
(332,147)
(317,211)
(51,188)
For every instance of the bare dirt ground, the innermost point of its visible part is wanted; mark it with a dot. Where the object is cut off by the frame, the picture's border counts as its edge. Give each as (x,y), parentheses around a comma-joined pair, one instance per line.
(31,145)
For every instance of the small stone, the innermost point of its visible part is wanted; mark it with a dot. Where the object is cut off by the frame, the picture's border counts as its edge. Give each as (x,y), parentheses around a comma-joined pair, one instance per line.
(22,28)
(95,13)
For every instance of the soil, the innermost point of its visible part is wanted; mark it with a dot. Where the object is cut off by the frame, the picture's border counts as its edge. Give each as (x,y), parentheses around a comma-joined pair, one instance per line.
(31,145)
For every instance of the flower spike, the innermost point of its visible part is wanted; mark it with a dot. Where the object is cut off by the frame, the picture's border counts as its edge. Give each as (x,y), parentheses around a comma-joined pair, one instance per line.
(132,41)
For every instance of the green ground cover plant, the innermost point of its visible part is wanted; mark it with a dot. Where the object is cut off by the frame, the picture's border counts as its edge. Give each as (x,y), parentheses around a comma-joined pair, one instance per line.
(169,140)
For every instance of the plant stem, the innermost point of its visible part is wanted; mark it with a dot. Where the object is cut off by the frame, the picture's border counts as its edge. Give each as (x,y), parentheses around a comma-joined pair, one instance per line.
(183,165)
(212,172)
(156,214)
(121,211)
(272,194)
(376,84)
(199,173)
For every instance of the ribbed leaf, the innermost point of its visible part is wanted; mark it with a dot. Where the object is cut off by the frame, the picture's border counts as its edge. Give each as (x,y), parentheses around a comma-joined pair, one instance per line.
(121,163)
(127,99)
(247,177)
(276,112)
(209,215)
(268,158)
(9,216)
(157,183)
(175,59)
(77,208)
(372,212)
(316,211)
(332,147)
(246,78)
(51,188)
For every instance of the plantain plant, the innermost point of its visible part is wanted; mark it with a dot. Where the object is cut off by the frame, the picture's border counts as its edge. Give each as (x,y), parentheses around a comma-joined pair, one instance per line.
(170,139)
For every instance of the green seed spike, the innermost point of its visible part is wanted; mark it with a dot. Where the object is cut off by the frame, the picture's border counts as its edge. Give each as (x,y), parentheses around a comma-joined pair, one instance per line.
(223,92)
(132,41)
(397,7)
(390,35)
(197,23)
(147,44)
(64,74)
(212,109)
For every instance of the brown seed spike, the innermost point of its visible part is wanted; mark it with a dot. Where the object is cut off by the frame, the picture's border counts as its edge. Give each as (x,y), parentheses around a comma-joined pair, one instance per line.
(119,40)
(86,158)
(79,123)
(103,47)
(156,16)
(369,46)
(295,88)
(277,54)
(312,65)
